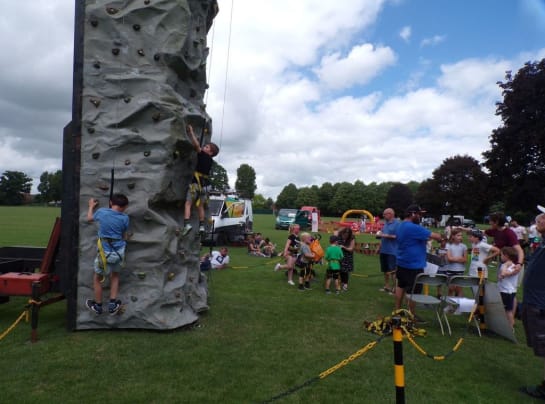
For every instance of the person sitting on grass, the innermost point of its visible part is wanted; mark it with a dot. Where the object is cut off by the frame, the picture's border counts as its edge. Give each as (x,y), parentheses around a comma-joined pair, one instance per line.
(333,256)
(113,224)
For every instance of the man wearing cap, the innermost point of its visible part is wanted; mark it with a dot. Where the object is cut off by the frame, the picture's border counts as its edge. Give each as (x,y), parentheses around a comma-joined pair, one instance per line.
(411,253)
(533,306)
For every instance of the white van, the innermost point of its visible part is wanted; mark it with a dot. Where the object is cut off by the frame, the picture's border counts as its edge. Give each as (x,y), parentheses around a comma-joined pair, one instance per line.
(231,219)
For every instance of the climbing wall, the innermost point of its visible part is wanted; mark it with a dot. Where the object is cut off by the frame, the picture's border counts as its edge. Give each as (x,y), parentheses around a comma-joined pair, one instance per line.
(144,78)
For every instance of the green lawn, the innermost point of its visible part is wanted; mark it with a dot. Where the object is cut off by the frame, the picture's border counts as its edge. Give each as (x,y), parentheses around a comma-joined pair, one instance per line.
(260,338)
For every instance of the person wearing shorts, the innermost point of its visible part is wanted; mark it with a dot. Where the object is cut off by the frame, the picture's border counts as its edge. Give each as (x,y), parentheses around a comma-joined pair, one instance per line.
(411,253)
(533,306)
(388,249)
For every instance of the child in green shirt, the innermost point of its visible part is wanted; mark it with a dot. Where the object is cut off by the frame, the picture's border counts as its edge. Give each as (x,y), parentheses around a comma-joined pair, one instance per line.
(333,255)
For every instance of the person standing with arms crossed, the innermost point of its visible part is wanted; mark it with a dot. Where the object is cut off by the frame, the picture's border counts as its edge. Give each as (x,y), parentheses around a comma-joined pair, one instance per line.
(388,249)
(411,254)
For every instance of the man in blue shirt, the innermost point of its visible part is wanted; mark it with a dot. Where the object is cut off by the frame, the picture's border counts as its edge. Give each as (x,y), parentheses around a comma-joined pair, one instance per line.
(533,306)
(388,249)
(411,253)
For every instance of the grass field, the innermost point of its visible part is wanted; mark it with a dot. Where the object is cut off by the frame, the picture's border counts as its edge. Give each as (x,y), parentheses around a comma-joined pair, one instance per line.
(260,338)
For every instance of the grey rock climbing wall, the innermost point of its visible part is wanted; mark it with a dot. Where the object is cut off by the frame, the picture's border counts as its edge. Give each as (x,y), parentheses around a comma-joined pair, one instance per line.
(144,77)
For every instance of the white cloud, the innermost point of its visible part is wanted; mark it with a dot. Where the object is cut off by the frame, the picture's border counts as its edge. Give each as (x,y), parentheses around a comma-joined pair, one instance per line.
(405,33)
(362,64)
(434,40)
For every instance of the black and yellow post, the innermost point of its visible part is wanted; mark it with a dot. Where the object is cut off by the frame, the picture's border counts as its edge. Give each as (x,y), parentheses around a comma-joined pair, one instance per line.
(480,309)
(399,371)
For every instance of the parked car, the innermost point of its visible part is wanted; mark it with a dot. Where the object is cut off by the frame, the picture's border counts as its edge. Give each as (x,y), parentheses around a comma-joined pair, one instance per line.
(284,218)
(468,223)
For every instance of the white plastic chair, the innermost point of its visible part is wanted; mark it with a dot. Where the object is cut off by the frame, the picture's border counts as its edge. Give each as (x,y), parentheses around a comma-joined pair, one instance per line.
(428,301)
(470,284)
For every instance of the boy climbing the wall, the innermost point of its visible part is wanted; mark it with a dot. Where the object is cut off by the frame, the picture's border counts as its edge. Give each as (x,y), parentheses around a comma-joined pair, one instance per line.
(198,189)
(113,224)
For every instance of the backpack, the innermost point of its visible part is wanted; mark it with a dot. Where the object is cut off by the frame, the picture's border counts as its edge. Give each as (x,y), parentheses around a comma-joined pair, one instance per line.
(316,248)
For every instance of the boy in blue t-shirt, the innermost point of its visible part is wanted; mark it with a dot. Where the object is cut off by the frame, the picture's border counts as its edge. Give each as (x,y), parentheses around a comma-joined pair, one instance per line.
(333,255)
(113,224)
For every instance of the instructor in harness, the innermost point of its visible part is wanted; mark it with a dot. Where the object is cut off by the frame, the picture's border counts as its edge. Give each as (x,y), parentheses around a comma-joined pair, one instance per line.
(198,189)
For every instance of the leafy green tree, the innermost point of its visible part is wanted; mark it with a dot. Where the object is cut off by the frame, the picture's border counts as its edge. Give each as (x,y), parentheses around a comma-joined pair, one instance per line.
(325,195)
(287,197)
(258,202)
(306,197)
(219,180)
(50,186)
(461,185)
(343,199)
(13,185)
(245,184)
(399,197)
(516,159)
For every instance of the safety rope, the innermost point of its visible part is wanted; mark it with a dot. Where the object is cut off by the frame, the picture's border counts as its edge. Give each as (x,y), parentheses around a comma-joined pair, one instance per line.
(10,328)
(226,72)
(423,352)
(327,372)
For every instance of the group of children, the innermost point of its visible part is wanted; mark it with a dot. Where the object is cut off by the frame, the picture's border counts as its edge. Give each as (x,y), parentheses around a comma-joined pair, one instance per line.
(261,247)
(455,255)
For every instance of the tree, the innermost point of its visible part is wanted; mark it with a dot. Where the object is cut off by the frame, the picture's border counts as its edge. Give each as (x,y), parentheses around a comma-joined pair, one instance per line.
(307,197)
(516,159)
(219,181)
(399,197)
(50,186)
(343,199)
(245,184)
(258,202)
(287,197)
(325,196)
(458,186)
(13,186)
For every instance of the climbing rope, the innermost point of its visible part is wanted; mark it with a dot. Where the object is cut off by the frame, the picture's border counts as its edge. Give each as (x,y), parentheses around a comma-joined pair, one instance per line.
(226,71)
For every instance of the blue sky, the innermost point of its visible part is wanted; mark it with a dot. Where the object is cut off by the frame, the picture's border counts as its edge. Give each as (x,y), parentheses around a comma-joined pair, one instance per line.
(316,91)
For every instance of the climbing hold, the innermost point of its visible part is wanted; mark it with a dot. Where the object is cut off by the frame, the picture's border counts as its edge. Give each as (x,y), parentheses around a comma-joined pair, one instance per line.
(192,93)
(115,51)
(156,116)
(171,276)
(134,299)
(141,275)
(131,185)
(104,186)
(141,52)
(146,2)
(112,10)
(127,162)
(136,27)
(94,23)
(95,156)
(156,57)
(96,65)
(91,130)
(127,100)
(147,153)
(95,102)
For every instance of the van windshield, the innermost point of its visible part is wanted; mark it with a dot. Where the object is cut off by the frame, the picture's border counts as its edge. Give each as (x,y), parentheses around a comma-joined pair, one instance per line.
(287,212)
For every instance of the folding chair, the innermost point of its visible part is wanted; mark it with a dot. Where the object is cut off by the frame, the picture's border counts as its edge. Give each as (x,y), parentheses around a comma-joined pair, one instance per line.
(428,301)
(465,305)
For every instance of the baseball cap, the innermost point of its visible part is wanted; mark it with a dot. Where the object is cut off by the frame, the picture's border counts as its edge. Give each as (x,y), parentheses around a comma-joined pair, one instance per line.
(477,233)
(414,209)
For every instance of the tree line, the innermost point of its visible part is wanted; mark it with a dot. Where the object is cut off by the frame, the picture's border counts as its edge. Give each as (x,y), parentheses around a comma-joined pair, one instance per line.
(510,178)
